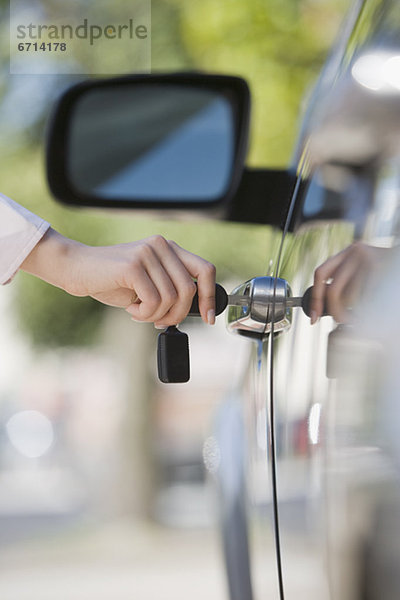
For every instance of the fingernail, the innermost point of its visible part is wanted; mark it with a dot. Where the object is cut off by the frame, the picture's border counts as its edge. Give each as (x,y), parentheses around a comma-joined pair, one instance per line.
(313,317)
(211,317)
(160,326)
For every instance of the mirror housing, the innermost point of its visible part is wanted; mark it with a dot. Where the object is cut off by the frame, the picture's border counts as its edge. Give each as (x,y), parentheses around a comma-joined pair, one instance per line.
(173,141)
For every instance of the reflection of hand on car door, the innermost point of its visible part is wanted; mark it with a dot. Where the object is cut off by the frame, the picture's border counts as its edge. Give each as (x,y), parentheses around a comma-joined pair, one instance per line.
(340,280)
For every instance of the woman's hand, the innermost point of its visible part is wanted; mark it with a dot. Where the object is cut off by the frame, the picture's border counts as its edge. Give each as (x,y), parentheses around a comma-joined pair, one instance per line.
(340,280)
(152,279)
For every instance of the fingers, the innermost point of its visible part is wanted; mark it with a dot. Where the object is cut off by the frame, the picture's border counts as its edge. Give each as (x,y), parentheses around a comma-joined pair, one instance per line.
(338,281)
(118,297)
(321,275)
(153,287)
(343,277)
(205,274)
(182,281)
(163,280)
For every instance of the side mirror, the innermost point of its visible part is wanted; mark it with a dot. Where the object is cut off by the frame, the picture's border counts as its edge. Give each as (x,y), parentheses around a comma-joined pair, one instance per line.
(150,141)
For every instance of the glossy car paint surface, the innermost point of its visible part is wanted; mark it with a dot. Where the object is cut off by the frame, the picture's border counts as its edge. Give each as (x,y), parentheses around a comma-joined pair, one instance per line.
(320,403)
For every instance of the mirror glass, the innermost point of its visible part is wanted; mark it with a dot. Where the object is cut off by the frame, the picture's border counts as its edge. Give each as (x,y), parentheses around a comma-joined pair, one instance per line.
(155,142)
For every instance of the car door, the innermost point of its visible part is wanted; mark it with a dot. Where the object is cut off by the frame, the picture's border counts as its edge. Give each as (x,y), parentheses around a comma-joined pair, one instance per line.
(334,391)
(335,476)
(274,545)
(300,388)
(278,463)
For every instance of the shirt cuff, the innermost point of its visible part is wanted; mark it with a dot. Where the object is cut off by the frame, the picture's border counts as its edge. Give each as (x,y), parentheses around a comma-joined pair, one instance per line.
(8,276)
(20,231)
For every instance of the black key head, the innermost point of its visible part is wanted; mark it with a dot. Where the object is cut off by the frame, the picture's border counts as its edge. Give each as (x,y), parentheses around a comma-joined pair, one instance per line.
(173,356)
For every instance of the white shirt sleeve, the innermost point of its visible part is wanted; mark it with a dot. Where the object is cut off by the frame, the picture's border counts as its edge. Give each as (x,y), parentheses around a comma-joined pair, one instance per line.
(20,231)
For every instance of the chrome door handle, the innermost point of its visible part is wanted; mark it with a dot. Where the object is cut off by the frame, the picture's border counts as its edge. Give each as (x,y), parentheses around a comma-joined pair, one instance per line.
(267,304)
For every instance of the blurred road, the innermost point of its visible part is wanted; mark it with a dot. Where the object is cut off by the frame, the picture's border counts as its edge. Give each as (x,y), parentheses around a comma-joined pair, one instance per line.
(123,560)
(140,561)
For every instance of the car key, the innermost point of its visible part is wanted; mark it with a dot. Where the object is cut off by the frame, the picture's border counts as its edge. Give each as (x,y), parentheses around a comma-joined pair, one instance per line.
(173,358)
(221,302)
(173,355)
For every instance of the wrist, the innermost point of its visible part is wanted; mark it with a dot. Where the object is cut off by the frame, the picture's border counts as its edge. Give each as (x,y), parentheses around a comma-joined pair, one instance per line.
(52,259)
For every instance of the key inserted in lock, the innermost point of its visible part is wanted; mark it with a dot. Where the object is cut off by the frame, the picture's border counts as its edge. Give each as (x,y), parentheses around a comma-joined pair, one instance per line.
(222,300)
(173,345)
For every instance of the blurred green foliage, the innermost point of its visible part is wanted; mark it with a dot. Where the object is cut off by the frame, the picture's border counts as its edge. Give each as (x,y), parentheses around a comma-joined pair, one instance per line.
(277,45)
(54,318)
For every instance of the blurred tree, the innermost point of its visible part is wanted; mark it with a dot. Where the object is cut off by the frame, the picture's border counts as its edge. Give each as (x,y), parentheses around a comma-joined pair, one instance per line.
(278,46)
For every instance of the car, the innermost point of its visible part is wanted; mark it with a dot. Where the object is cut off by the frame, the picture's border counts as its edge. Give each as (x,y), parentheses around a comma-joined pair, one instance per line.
(308,446)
